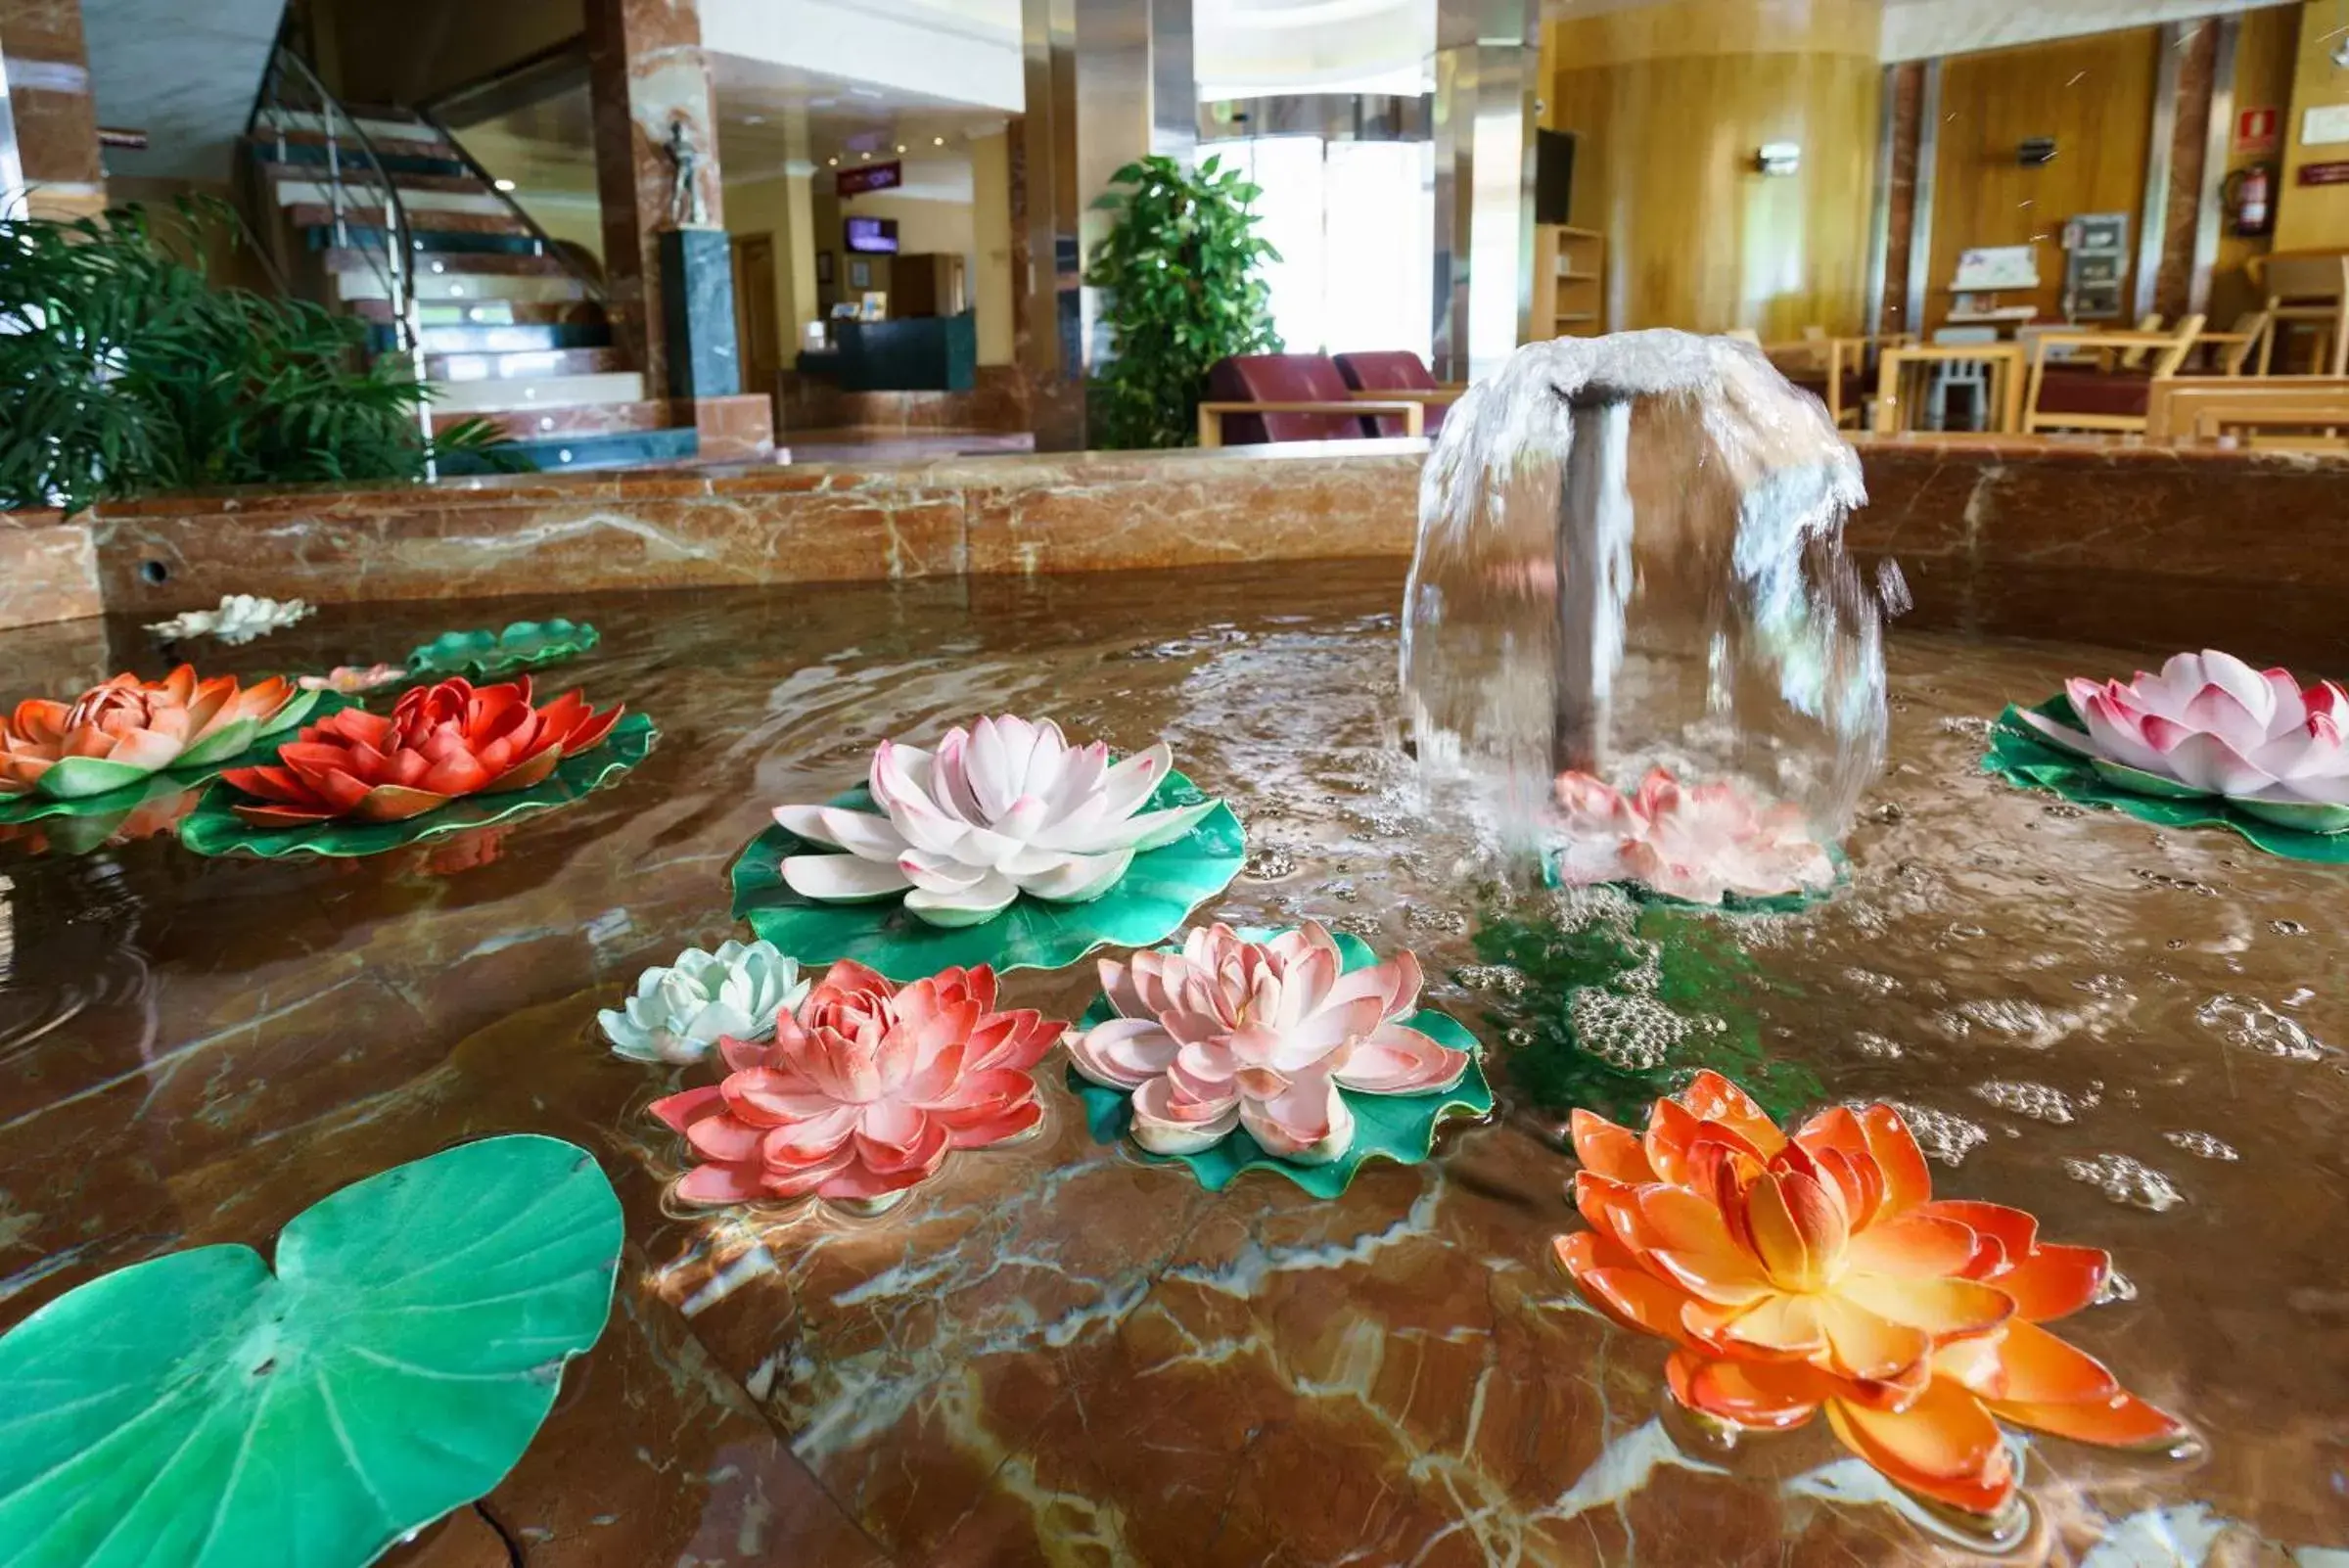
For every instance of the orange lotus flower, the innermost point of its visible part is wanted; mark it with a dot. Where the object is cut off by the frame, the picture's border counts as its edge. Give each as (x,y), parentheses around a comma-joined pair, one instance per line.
(120,732)
(1796,1274)
(440,741)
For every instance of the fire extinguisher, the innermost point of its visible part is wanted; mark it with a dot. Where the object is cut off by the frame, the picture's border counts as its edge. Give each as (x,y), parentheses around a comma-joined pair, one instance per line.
(2249,194)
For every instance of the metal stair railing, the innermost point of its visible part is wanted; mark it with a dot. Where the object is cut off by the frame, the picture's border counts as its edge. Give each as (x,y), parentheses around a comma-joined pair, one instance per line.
(357,178)
(541,242)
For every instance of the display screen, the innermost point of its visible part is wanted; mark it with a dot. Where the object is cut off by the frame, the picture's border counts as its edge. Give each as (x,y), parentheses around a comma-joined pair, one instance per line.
(873,236)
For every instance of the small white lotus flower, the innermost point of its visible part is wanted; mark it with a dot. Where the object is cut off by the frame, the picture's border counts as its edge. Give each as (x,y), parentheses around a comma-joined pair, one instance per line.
(1002,809)
(241,617)
(678,1012)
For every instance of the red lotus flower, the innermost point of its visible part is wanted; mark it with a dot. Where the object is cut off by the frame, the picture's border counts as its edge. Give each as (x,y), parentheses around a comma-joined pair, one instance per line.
(1817,1272)
(863,1090)
(440,743)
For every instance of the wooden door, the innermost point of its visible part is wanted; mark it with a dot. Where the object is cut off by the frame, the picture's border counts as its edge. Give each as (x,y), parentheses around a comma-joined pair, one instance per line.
(759,348)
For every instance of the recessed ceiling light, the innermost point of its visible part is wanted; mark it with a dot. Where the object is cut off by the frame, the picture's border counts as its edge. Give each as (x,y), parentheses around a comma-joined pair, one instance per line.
(938,141)
(753,119)
(503,185)
(832,163)
(865,157)
(900,147)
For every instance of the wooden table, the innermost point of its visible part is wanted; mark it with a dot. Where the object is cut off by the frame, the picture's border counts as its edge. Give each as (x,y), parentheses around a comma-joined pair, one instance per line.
(2006,364)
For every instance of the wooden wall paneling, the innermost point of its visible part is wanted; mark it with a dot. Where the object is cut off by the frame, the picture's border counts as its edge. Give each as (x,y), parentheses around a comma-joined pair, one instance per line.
(2313,217)
(2095,95)
(1671,104)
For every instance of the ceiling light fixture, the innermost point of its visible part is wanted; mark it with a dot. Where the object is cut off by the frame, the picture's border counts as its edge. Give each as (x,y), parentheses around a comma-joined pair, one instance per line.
(503,185)
(864,158)
(832,163)
(900,147)
(753,119)
(938,141)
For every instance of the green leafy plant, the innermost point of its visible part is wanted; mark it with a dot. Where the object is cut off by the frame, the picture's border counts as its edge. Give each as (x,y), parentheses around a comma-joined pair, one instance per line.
(124,371)
(1179,268)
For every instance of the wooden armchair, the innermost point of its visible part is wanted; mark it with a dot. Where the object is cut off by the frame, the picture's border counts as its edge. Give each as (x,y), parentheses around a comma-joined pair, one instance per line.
(2205,409)
(2118,399)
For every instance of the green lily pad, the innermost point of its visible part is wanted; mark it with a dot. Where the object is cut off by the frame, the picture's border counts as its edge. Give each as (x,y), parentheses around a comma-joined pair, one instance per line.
(82,791)
(2020,758)
(214,828)
(72,827)
(1147,904)
(198,1411)
(1386,1127)
(524,645)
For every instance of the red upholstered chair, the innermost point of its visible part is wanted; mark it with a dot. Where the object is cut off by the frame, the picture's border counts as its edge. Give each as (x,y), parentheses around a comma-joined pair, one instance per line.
(1401,372)
(1253,398)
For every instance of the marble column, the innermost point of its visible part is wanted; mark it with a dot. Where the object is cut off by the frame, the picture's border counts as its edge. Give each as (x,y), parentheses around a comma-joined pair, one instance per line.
(51,160)
(1487,57)
(646,73)
(1047,215)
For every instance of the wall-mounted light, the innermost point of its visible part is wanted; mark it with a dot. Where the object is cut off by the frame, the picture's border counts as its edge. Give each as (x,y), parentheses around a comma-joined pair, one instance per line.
(1779,158)
(2036,152)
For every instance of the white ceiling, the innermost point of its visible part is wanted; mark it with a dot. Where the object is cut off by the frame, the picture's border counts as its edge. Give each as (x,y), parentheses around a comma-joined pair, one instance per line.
(184,74)
(775,118)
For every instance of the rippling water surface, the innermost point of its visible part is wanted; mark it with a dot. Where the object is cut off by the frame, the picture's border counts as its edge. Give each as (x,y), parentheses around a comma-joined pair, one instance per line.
(1053,1354)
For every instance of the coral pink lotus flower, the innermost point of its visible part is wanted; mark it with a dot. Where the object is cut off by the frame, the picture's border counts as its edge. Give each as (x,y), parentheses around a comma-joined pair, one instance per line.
(1817,1271)
(1697,843)
(863,1090)
(351,679)
(2210,723)
(119,732)
(1230,1033)
(1004,808)
(438,742)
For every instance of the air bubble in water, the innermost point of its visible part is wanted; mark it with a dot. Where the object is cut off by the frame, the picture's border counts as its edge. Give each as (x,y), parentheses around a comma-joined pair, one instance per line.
(1877,1047)
(2203,1144)
(2035,1100)
(2257,1027)
(2127,1180)
(1942,1136)
(1633,1032)
(1505,979)
(1268,863)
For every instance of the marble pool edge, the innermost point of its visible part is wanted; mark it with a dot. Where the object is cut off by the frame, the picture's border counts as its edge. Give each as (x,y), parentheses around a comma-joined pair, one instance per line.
(1947,504)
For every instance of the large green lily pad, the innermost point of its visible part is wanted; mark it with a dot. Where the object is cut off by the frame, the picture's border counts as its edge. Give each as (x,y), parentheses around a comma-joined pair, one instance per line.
(200,1412)
(1147,904)
(1386,1127)
(214,828)
(95,787)
(524,645)
(2019,756)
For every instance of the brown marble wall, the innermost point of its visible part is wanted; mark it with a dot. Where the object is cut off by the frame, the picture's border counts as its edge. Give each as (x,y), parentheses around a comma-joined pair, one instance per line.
(1949,511)
(646,71)
(997,404)
(48,71)
(48,569)
(1906,86)
(2189,148)
(733,430)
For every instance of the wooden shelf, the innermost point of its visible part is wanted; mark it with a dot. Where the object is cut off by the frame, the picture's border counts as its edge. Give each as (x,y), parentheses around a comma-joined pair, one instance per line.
(1568,269)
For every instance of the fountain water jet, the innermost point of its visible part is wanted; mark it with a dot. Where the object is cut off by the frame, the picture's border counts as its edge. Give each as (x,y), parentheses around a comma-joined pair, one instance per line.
(1631,556)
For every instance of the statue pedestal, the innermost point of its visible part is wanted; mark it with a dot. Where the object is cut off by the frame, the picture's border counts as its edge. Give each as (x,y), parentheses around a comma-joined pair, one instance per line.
(697,307)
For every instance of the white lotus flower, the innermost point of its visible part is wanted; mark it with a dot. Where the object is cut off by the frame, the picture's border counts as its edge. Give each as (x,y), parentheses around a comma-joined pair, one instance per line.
(2210,725)
(679,1012)
(241,617)
(1004,807)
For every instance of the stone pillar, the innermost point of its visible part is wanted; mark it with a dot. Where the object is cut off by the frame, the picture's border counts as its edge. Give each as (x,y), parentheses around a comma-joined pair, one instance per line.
(645,73)
(50,163)
(1488,57)
(1047,214)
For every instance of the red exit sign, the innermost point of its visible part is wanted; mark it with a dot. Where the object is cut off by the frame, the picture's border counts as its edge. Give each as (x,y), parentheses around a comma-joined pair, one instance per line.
(870,177)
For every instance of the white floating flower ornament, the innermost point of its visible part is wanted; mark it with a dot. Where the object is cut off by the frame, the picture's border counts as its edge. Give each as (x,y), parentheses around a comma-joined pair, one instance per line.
(1004,807)
(1698,843)
(2210,725)
(239,618)
(679,1012)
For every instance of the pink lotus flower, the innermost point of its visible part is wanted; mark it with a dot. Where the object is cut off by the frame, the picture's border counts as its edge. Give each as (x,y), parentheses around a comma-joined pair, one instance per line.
(863,1090)
(1261,1034)
(351,679)
(1697,843)
(2210,725)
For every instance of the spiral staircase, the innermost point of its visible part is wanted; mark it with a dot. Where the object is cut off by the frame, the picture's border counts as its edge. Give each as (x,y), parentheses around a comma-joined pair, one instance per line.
(381,214)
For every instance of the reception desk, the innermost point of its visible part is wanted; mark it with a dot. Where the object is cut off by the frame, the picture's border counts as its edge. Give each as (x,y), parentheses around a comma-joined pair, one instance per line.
(920,353)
